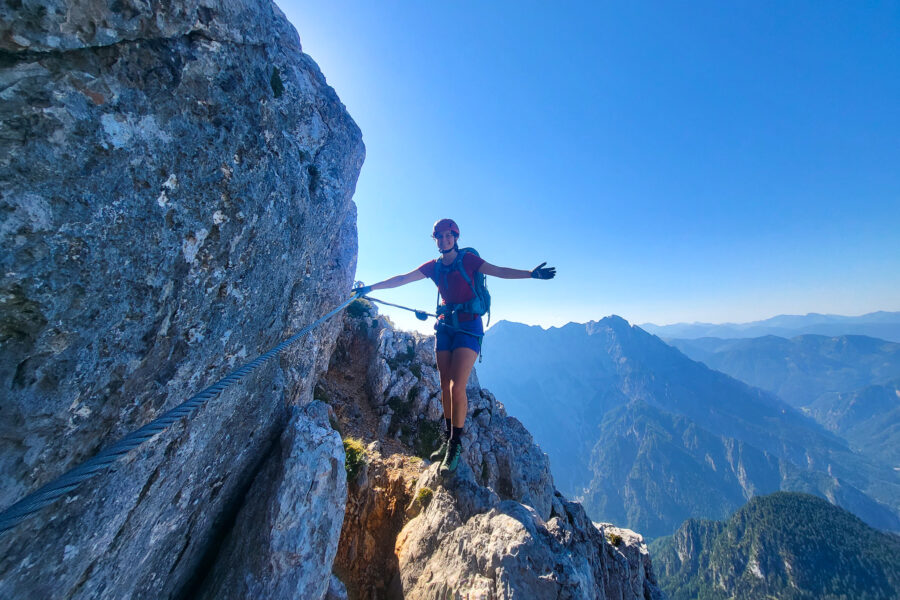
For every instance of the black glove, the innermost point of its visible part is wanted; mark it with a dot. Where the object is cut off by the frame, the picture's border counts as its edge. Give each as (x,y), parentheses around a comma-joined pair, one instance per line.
(362,290)
(542,272)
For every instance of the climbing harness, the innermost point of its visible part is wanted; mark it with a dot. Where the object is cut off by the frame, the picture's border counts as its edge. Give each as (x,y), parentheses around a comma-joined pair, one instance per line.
(421,315)
(70,480)
(450,320)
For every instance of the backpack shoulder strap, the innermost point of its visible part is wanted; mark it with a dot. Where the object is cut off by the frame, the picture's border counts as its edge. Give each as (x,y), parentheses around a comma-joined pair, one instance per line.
(458,263)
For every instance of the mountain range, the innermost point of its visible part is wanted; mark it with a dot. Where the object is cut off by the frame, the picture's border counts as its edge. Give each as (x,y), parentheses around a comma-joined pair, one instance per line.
(868,418)
(884,325)
(849,383)
(647,437)
(801,369)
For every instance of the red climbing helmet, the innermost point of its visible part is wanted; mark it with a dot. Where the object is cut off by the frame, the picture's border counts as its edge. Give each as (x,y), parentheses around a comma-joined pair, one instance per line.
(445,225)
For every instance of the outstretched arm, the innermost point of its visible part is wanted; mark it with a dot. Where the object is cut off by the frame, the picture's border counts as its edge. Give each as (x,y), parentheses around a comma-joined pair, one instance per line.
(539,272)
(398,280)
(503,272)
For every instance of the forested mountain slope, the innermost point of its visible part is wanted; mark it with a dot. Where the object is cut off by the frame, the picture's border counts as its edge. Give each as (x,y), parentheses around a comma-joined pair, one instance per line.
(786,545)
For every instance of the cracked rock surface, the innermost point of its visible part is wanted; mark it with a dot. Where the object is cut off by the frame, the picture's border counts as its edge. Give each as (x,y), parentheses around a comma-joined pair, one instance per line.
(176,184)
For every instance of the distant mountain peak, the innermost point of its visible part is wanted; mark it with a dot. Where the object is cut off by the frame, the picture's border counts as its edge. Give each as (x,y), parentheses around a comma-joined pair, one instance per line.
(613,323)
(615,319)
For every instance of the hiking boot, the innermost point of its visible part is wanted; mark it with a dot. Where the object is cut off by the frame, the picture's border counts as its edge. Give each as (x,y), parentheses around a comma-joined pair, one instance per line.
(451,460)
(438,455)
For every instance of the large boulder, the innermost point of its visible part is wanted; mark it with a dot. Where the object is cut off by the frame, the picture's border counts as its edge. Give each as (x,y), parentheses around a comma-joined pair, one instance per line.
(469,542)
(175,191)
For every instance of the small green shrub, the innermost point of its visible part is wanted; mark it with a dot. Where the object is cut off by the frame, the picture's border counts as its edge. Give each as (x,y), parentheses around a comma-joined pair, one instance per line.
(614,538)
(355,453)
(359,308)
(401,410)
(399,406)
(424,496)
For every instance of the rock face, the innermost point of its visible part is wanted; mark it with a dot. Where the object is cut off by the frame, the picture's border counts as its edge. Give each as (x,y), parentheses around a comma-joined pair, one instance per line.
(499,528)
(470,542)
(287,531)
(631,548)
(175,191)
(377,505)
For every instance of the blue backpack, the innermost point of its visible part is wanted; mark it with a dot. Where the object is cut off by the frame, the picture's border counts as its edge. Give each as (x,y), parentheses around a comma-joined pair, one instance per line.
(480,304)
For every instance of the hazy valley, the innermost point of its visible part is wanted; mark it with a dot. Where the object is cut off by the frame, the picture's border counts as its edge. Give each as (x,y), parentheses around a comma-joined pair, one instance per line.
(648,437)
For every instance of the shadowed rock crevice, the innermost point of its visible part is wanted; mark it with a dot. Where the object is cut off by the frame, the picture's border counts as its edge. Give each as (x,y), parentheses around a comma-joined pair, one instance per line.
(226,525)
(378,499)
(286,532)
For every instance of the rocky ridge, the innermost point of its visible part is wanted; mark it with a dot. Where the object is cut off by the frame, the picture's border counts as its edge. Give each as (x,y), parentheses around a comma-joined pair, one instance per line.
(499,528)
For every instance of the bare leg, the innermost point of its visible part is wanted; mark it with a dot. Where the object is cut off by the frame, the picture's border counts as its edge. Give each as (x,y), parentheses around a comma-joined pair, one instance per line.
(444,359)
(463,360)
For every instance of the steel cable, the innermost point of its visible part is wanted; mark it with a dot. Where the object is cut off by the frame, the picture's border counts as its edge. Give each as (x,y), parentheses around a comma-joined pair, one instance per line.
(70,480)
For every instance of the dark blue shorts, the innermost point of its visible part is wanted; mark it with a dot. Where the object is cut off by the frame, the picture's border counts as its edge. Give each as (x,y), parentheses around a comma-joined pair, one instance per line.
(447,338)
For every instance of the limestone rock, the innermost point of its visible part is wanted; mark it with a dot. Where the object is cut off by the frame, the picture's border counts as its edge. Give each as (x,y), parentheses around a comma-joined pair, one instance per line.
(403,380)
(286,534)
(632,548)
(53,25)
(469,541)
(380,497)
(175,191)
(336,589)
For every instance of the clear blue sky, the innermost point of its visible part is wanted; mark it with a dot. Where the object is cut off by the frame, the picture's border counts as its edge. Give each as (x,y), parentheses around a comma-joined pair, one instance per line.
(676,161)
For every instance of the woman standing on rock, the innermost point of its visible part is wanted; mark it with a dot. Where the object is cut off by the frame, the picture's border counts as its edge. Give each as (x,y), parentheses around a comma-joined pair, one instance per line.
(459,276)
